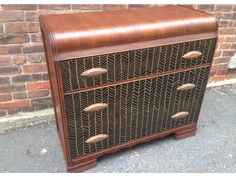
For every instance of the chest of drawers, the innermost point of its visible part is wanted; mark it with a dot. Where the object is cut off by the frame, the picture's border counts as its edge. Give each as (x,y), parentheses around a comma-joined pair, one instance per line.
(120,78)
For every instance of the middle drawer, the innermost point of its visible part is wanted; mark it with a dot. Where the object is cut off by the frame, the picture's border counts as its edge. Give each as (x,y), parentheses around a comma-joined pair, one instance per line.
(96,70)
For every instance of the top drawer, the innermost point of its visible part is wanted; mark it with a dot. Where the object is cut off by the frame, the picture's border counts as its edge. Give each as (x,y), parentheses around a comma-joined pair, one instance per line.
(120,66)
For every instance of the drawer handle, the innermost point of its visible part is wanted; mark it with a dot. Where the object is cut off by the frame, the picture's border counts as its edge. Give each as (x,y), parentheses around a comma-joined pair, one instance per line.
(187,86)
(94,72)
(192,54)
(95,107)
(180,115)
(97,138)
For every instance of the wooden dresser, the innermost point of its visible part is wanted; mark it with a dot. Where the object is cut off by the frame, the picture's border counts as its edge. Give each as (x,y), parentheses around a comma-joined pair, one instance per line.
(120,78)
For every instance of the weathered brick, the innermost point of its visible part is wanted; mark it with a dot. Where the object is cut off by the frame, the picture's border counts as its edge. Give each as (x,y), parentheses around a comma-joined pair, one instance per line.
(13,38)
(230,38)
(221,60)
(205,7)
(1,28)
(4,80)
(233,46)
(35,68)
(10,70)
(229,15)
(36,37)
(5,97)
(22,27)
(3,113)
(14,104)
(227,31)
(223,23)
(36,57)
(28,78)
(33,48)
(218,53)
(132,6)
(85,6)
(38,93)
(223,7)
(41,101)
(19,59)
(54,6)
(232,23)
(10,49)
(18,96)
(114,6)
(228,53)
(19,6)
(12,88)
(38,85)
(11,16)
(13,111)
(5,60)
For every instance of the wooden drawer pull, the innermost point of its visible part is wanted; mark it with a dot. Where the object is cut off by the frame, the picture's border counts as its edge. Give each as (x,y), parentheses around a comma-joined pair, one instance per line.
(97,138)
(192,54)
(95,107)
(94,72)
(180,115)
(187,86)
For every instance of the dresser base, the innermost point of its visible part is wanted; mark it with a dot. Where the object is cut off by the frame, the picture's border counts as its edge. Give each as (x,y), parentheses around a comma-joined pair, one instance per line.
(89,161)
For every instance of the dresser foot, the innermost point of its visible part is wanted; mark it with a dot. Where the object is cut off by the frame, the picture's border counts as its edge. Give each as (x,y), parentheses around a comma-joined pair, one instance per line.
(185,133)
(82,166)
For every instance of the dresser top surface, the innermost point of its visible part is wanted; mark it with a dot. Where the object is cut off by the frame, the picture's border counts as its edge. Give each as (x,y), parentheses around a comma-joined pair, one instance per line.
(81,31)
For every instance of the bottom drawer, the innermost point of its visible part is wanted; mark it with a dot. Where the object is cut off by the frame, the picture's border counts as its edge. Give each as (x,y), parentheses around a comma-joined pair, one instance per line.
(132,110)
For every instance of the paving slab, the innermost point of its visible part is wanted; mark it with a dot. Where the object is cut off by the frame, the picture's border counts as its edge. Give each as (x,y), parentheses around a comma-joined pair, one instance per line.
(212,149)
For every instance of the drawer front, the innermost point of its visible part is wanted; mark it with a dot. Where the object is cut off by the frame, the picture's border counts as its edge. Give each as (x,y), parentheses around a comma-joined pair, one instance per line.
(102,118)
(96,70)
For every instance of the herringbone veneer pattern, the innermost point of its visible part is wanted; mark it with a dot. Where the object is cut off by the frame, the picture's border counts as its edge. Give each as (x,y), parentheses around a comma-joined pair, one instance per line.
(130,64)
(135,110)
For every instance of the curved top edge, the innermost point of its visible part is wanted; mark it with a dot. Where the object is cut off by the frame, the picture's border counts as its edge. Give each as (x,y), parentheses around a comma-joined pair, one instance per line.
(82,31)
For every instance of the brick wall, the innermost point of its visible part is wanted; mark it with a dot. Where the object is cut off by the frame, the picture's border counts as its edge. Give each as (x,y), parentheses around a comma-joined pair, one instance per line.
(24,82)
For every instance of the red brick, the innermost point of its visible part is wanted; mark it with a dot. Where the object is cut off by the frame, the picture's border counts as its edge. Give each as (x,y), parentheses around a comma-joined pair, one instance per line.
(34,16)
(14,38)
(19,59)
(38,93)
(229,15)
(36,37)
(14,104)
(10,50)
(231,76)
(5,97)
(5,60)
(19,6)
(19,96)
(228,53)
(113,6)
(36,57)
(54,6)
(10,70)
(224,46)
(11,16)
(227,31)
(37,48)
(85,6)
(217,78)
(223,23)
(218,53)
(38,85)
(232,23)
(22,27)
(35,68)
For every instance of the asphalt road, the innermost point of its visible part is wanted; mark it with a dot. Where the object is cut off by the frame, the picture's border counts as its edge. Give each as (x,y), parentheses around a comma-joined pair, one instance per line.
(212,149)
